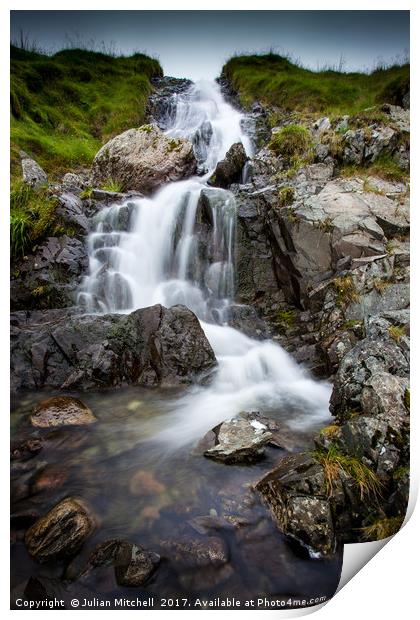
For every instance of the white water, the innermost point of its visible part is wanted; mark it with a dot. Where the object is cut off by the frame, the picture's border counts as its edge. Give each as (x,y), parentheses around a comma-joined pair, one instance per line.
(162,260)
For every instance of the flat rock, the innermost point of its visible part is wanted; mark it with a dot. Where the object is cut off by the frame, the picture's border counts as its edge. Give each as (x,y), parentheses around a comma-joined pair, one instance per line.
(239,439)
(60,411)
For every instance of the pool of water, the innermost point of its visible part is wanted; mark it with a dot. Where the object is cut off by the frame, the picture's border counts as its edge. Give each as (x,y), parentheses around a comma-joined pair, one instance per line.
(148,491)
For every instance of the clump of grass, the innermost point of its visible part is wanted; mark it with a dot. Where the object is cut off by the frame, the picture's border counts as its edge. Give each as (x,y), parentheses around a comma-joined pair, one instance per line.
(380,285)
(345,290)
(31,216)
(291,141)
(387,168)
(330,430)
(334,462)
(407,399)
(396,332)
(368,187)
(286,196)
(277,81)
(326,225)
(382,528)
(112,186)
(86,193)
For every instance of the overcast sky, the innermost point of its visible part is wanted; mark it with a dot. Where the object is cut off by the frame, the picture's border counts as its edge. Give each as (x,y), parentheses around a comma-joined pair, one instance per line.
(195,44)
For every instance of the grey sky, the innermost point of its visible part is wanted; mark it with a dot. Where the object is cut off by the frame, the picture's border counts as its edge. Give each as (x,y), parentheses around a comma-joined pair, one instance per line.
(196,43)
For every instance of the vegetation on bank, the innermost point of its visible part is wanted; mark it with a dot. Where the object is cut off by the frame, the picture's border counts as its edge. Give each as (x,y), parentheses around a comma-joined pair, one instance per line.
(276,81)
(65,106)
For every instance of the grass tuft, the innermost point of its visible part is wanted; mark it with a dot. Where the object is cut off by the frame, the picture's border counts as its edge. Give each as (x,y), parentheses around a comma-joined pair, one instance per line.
(334,462)
(346,291)
(112,186)
(396,332)
(382,528)
(291,141)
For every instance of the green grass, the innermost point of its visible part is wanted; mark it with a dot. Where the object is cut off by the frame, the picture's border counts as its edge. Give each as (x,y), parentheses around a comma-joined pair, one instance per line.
(112,186)
(345,290)
(291,141)
(385,167)
(334,462)
(65,106)
(32,217)
(276,81)
(382,528)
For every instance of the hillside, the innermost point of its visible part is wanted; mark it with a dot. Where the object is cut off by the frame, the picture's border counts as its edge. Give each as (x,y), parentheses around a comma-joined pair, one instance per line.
(63,107)
(276,81)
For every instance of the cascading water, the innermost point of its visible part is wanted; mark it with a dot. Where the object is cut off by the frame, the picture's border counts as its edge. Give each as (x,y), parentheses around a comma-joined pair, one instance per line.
(150,250)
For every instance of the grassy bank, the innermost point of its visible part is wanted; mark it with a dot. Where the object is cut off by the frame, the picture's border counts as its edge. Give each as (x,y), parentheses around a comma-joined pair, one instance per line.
(276,81)
(63,107)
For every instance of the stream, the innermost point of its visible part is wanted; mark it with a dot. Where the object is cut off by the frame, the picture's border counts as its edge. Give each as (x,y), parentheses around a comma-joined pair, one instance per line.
(140,467)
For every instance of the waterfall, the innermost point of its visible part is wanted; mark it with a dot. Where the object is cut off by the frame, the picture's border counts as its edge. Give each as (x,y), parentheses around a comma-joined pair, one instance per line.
(157,250)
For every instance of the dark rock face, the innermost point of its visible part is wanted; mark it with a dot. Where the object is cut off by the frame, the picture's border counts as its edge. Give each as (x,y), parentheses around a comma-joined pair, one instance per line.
(151,346)
(60,411)
(229,170)
(162,102)
(134,566)
(296,495)
(61,532)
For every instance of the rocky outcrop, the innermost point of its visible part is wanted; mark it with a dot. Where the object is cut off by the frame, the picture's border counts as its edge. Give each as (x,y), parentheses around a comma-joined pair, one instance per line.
(162,102)
(151,346)
(143,160)
(32,172)
(61,532)
(61,411)
(229,170)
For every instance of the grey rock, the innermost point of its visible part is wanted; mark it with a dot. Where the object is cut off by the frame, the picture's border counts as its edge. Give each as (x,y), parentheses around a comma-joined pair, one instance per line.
(32,172)
(143,159)
(240,439)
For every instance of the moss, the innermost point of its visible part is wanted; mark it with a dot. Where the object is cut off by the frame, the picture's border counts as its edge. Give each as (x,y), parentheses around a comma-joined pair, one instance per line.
(385,167)
(285,319)
(63,107)
(352,324)
(286,196)
(345,290)
(276,81)
(334,462)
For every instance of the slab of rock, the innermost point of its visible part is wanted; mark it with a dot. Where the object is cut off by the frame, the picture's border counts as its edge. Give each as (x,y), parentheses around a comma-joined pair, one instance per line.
(240,439)
(32,172)
(61,532)
(134,565)
(143,159)
(60,411)
(197,552)
(229,169)
(151,346)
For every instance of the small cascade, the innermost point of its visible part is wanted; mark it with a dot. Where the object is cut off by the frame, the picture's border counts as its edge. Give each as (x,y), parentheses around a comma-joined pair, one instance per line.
(178,247)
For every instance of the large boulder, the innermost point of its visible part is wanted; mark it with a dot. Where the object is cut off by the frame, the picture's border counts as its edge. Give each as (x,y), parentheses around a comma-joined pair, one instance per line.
(229,169)
(61,411)
(150,346)
(61,532)
(143,159)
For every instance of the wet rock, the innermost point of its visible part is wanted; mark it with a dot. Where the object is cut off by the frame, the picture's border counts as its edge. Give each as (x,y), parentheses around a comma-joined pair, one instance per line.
(247,320)
(143,159)
(229,170)
(162,102)
(61,410)
(70,211)
(61,532)
(144,483)
(134,566)
(32,172)
(238,440)
(50,478)
(295,493)
(196,552)
(26,449)
(49,277)
(151,346)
